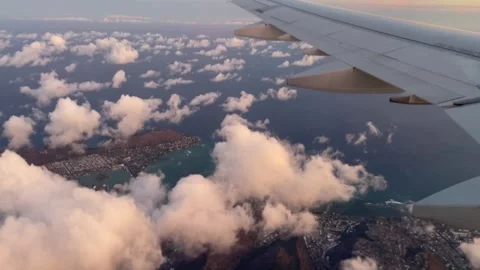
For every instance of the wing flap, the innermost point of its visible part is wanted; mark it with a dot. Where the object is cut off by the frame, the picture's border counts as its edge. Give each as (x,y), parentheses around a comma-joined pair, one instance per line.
(335,76)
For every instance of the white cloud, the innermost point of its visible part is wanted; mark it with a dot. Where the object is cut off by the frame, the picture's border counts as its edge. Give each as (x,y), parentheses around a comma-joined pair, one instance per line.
(131,113)
(35,54)
(299,45)
(472,251)
(283,93)
(280,54)
(88,49)
(71,68)
(359,139)
(373,130)
(27,36)
(390,138)
(198,216)
(175,113)
(180,68)
(18,130)
(119,78)
(224,77)
(241,104)
(321,140)
(307,60)
(201,213)
(277,81)
(71,123)
(151,84)
(215,52)
(38,115)
(178,53)
(227,66)
(52,87)
(359,264)
(231,42)
(205,99)
(150,74)
(323,177)
(176,81)
(278,217)
(203,43)
(4,44)
(52,223)
(114,51)
(284,64)
(262,124)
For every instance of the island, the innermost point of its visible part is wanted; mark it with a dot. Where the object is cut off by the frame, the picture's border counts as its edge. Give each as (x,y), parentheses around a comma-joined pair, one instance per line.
(133,154)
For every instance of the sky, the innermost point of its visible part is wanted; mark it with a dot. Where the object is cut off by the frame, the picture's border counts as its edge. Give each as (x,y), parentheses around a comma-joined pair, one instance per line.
(457,14)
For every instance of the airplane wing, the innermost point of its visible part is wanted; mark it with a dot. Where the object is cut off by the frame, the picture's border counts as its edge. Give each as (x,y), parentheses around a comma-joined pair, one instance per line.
(366,53)
(372,54)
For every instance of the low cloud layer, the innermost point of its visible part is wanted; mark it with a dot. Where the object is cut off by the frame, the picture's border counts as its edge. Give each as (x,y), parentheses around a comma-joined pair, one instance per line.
(18,129)
(71,123)
(131,113)
(198,214)
(241,104)
(359,264)
(51,87)
(472,250)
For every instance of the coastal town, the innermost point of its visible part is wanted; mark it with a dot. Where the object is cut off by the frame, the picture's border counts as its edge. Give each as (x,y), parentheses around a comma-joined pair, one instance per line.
(132,155)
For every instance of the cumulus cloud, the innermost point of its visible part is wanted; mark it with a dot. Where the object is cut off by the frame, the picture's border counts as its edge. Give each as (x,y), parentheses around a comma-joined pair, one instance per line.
(241,104)
(71,68)
(150,74)
(198,214)
(27,36)
(88,49)
(307,60)
(18,130)
(362,138)
(175,112)
(472,250)
(299,45)
(71,123)
(373,130)
(231,42)
(119,78)
(53,223)
(356,139)
(4,44)
(283,93)
(180,68)
(205,99)
(278,217)
(224,77)
(151,84)
(359,264)
(176,81)
(203,43)
(37,53)
(277,81)
(321,140)
(114,51)
(280,54)
(52,87)
(284,64)
(227,66)
(131,113)
(324,178)
(220,49)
